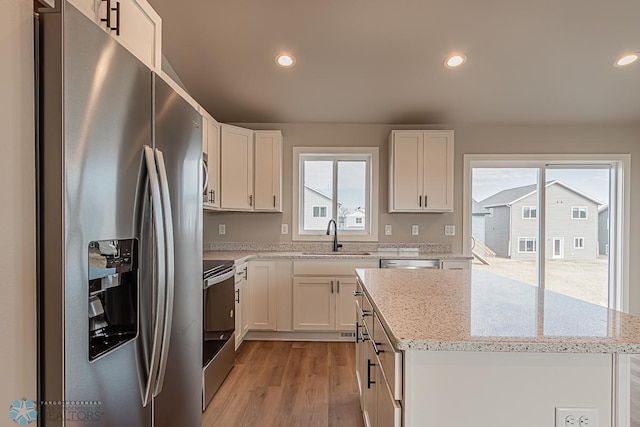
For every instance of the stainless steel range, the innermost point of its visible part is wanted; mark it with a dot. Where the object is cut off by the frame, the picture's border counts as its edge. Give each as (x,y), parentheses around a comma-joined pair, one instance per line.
(218,351)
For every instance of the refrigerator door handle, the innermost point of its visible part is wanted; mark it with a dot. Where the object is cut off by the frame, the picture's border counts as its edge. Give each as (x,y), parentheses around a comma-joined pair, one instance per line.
(160,283)
(169,268)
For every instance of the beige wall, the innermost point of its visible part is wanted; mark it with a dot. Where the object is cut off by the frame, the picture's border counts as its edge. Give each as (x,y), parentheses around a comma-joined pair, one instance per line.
(265,227)
(17,217)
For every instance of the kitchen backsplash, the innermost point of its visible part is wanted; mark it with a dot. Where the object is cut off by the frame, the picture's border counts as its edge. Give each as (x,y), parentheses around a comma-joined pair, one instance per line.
(322,246)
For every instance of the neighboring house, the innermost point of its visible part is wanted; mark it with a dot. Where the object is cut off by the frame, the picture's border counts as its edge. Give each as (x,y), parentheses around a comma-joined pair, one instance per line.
(603,230)
(477,220)
(511,225)
(318,208)
(355,220)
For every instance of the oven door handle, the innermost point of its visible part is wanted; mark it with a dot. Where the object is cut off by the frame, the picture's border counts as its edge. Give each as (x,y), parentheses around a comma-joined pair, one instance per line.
(217,279)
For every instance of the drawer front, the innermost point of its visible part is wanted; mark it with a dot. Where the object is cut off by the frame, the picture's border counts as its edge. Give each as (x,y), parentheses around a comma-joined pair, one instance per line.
(390,360)
(331,267)
(366,313)
(389,409)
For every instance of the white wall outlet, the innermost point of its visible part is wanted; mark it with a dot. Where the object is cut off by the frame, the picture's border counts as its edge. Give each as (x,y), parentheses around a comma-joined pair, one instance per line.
(284,229)
(577,417)
(387,230)
(449,230)
(222,229)
(415,230)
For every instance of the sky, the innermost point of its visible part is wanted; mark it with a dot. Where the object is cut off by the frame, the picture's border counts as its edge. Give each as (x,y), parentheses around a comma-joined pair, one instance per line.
(489,181)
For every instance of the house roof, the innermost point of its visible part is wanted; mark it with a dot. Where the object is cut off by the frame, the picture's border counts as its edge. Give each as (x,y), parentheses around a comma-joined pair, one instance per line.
(512,195)
(477,209)
(321,193)
(357,212)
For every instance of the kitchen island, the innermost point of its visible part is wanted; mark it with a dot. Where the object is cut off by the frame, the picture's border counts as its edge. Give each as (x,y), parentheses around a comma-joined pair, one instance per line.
(438,347)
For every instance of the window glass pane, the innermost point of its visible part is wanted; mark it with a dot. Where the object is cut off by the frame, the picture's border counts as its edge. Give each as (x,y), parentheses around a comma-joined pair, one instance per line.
(352,195)
(317,194)
(504,225)
(577,220)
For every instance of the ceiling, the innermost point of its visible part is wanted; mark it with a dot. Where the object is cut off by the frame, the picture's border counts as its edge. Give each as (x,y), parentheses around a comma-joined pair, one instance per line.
(381,61)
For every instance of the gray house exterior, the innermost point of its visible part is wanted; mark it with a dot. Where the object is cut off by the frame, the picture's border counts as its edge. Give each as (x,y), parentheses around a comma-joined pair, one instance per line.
(511,227)
(603,230)
(478,214)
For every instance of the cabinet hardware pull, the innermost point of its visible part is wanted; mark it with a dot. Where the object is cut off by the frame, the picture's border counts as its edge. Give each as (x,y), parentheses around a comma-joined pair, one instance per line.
(363,336)
(214,196)
(375,347)
(426,201)
(332,286)
(357,293)
(420,201)
(211,196)
(364,313)
(108,18)
(338,287)
(238,296)
(274,201)
(117,28)
(246,274)
(251,200)
(369,365)
(357,331)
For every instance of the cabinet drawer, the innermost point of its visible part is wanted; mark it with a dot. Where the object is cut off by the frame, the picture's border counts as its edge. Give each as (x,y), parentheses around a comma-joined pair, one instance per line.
(366,313)
(390,360)
(389,409)
(331,267)
(454,264)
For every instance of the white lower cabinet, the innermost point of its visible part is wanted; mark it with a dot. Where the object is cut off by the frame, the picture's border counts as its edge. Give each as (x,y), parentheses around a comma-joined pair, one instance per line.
(261,280)
(242,304)
(378,368)
(313,304)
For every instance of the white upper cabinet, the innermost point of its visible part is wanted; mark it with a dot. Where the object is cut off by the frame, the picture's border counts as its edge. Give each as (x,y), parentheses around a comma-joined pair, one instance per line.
(236,164)
(421,171)
(133,23)
(268,171)
(211,161)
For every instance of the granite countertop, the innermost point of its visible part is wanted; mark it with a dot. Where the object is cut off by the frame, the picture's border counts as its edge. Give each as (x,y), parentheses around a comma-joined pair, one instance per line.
(241,256)
(453,310)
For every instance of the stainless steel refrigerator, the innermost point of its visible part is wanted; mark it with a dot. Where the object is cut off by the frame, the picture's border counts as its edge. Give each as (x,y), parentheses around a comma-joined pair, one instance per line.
(120,235)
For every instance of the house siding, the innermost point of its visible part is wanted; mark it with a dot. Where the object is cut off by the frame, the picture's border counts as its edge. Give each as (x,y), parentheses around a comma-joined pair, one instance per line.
(559,202)
(603,231)
(497,230)
(311,199)
(478,227)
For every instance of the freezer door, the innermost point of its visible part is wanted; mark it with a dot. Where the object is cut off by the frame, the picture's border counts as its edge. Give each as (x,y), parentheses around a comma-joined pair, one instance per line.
(178,136)
(95,121)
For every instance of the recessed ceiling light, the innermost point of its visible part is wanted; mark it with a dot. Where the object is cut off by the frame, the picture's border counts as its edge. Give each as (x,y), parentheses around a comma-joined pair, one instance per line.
(285,60)
(455,60)
(629,58)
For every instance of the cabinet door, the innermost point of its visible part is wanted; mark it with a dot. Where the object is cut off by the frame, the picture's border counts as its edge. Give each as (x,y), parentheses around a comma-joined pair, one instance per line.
(405,167)
(236,165)
(213,163)
(313,303)
(371,382)
(345,316)
(389,410)
(268,171)
(360,356)
(238,313)
(437,193)
(136,26)
(246,302)
(262,295)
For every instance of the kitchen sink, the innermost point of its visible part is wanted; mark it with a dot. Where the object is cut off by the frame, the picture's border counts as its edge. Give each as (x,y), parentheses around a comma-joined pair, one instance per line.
(335,253)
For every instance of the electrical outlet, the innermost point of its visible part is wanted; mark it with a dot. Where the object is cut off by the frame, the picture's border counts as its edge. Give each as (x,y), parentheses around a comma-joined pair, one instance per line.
(449,230)
(387,230)
(577,417)
(284,229)
(415,230)
(222,229)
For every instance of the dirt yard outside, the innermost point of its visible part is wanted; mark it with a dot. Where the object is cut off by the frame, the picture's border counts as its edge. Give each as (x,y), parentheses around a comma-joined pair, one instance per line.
(583,279)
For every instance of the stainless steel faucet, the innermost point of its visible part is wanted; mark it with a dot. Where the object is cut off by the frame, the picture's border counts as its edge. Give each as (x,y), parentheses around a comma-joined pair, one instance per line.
(336,245)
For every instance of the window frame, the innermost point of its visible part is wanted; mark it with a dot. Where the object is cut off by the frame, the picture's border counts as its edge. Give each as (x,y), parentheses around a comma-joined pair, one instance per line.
(320,207)
(586,213)
(531,208)
(369,154)
(526,239)
(575,240)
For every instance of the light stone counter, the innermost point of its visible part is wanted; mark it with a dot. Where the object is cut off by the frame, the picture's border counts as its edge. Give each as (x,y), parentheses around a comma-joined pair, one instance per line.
(241,256)
(446,310)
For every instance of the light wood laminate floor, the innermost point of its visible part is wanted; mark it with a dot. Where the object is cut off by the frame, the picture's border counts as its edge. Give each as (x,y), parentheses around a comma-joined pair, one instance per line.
(277,383)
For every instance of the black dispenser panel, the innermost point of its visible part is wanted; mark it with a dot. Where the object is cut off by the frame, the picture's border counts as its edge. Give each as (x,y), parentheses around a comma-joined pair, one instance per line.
(113,294)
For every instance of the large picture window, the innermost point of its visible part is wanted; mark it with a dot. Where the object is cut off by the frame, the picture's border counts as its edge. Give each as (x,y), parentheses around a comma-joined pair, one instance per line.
(337,183)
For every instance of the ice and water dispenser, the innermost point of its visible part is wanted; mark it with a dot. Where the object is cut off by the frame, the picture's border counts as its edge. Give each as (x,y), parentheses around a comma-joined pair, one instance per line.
(113,294)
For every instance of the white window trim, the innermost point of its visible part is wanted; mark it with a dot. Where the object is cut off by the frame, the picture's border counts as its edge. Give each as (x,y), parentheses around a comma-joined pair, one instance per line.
(575,241)
(326,209)
(371,235)
(530,217)
(620,209)
(535,244)
(586,213)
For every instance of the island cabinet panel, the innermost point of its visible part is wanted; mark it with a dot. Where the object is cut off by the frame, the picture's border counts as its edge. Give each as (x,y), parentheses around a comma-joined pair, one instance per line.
(498,388)
(390,360)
